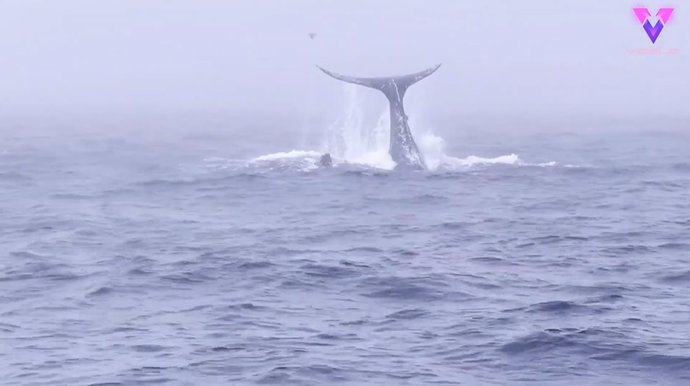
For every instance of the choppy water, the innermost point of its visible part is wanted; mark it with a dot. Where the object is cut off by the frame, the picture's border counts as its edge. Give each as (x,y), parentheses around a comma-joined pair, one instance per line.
(558,259)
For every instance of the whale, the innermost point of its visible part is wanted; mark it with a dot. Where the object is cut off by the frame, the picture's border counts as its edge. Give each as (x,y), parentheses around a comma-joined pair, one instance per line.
(403,149)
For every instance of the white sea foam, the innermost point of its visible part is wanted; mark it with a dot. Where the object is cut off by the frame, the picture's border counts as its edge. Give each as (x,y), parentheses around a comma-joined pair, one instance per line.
(294,154)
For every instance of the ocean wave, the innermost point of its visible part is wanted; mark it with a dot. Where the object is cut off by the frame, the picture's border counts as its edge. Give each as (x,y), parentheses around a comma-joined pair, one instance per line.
(404,288)
(564,345)
(562,307)
(677,278)
(589,341)
(14,177)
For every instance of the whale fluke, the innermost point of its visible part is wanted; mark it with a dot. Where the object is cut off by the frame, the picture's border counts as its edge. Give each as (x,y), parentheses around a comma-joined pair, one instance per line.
(402,82)
(403,149)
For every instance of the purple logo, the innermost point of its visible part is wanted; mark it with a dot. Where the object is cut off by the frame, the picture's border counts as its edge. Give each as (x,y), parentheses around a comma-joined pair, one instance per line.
(643,15)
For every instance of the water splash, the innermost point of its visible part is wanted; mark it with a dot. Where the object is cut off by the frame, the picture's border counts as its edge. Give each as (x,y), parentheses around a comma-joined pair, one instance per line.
(289,154)
(353,140)
(296,159)
(350,139)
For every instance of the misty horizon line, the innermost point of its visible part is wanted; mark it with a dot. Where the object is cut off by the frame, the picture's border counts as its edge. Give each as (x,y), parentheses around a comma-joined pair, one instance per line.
(295,120)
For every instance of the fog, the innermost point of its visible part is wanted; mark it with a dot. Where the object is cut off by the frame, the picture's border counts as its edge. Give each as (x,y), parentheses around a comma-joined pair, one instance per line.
(537,58)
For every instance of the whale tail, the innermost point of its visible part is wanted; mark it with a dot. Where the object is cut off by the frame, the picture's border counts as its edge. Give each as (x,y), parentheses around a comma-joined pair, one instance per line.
(403,149)
(393,87)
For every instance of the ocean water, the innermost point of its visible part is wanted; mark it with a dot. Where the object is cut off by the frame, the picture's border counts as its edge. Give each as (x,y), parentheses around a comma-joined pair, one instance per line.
(549,257)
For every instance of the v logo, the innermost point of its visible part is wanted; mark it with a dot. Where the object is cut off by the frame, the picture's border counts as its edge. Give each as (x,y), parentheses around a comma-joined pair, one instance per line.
(653,32)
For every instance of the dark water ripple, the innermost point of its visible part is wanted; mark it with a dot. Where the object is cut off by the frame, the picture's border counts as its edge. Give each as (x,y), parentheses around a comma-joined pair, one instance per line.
(131,263)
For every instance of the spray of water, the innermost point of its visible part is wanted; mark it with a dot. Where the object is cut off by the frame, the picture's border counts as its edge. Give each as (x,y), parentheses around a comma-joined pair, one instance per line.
(353,140)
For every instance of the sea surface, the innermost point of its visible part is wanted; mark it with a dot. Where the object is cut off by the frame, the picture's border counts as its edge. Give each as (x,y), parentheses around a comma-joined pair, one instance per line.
(546,257)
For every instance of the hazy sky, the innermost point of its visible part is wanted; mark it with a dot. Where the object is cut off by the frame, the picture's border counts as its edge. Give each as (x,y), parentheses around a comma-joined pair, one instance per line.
(536,57)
